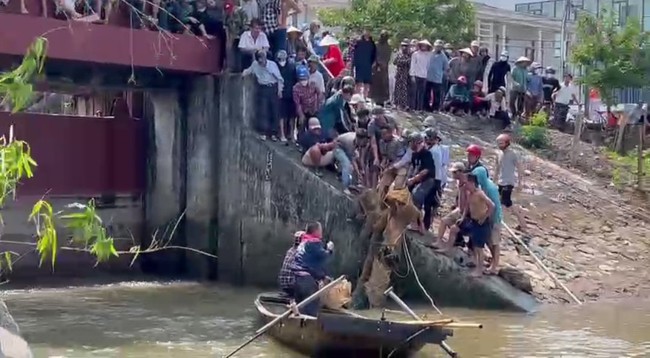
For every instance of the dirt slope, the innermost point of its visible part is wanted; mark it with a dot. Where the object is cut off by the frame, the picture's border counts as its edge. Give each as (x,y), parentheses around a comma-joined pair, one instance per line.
(583,230)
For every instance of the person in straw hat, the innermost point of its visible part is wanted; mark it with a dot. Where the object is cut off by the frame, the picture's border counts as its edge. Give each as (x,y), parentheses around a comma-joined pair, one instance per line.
(293,41)
(333,57)
(460,66)
(418,72)
(519,85)
(436,73)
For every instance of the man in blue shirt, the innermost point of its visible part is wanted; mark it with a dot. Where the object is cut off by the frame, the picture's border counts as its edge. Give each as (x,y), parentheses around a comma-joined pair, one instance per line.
(436,73)
(535,94)
(332,114)
(270,85)
(308,266)
(492,191)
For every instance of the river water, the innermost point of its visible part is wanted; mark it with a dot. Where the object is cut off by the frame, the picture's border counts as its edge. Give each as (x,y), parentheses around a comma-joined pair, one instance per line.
(179,320)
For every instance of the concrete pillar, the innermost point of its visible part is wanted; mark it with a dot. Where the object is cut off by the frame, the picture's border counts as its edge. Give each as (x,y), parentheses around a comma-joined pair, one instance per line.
(540,47)
(202,158)
(230,183)
(165,195)
(504,36)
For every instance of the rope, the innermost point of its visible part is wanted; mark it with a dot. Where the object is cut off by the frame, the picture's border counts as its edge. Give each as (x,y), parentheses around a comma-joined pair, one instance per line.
(417,279)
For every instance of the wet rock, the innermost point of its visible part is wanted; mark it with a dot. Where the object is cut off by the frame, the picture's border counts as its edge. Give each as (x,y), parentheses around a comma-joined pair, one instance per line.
(586,249)
(517,278)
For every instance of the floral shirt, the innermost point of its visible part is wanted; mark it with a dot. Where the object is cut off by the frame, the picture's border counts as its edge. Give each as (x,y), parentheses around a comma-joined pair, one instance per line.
(237,23)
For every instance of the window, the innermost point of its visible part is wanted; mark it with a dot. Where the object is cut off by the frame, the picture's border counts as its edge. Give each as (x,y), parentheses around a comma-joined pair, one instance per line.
(646,23)
(557,45)
(530,51)
(620,12)
(591,6)
(521,8)
(646,8)
(548,8)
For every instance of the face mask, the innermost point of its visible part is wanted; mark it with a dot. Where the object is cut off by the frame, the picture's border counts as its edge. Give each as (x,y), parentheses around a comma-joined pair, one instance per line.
(550,75)
(503,58)
(282,62)
(304,82)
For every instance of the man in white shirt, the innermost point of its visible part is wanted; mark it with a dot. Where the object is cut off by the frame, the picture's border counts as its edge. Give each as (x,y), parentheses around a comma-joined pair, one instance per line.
(418,72)
(562,98)
(315,76)
(252,41)
(498,109)
(270,85)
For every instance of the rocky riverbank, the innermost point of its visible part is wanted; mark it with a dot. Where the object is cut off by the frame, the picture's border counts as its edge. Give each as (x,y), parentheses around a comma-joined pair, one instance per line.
(584,231)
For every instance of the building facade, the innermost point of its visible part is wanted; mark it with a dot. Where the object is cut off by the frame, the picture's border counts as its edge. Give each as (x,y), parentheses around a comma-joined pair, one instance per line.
(534,36)
(623,10)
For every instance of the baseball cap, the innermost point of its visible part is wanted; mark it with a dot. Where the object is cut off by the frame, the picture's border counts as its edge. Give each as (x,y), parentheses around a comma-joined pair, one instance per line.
(313,123)
(457,167)
(356,98)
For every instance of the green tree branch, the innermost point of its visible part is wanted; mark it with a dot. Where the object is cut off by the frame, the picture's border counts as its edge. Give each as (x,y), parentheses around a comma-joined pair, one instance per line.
(450,20)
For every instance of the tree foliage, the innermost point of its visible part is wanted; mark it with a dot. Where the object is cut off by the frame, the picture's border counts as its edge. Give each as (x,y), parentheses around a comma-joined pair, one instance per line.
(612,56)
(449,20)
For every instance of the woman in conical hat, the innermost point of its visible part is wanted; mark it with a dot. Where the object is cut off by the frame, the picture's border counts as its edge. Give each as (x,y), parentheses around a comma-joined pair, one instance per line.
(333,57)
(294,41)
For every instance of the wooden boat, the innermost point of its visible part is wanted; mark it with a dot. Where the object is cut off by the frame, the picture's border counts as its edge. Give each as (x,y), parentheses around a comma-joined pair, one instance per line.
(345,334)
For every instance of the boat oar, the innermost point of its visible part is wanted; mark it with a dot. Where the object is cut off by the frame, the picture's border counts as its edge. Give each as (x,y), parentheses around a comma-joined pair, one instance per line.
(268,326)
(540,263)
(389,292)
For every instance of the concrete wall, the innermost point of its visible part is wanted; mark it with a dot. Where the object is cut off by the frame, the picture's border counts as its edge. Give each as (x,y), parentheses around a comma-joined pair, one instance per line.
(264,195)
(123,220)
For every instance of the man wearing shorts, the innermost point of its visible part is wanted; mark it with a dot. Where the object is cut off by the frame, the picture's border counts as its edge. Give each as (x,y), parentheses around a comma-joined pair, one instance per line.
(457,171)
(478,222)
(509,175)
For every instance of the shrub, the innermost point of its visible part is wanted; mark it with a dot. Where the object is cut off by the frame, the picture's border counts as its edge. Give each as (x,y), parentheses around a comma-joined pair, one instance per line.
(533,137)
(626,169)
(539,119)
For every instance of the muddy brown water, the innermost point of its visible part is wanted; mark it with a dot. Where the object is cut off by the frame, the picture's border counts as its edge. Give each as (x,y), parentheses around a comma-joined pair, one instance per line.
(179,320)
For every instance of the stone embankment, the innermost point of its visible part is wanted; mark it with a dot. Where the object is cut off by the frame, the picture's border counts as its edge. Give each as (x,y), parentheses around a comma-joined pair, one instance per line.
(263,194)
(584,231)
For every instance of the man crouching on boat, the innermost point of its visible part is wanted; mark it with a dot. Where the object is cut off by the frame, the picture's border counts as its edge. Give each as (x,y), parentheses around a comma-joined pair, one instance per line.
(286,279)
(308,266)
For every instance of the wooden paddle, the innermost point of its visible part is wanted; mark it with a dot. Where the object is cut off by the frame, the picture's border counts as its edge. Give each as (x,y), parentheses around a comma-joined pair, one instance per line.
(277,319)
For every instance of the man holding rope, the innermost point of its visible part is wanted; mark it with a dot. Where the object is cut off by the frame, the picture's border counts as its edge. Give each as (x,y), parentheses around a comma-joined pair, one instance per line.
(308,266)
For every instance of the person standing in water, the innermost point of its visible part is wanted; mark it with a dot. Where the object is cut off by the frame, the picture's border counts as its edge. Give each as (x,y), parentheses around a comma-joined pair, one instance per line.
(509,175)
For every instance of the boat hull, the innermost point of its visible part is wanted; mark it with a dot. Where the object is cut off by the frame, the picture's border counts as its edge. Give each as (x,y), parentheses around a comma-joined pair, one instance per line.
(347,335)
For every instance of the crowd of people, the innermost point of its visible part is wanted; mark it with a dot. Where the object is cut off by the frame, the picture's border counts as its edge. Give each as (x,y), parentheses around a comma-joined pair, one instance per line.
(416,162)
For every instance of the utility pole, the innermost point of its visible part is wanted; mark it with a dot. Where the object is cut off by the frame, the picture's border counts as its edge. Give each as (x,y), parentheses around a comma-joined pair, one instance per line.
(566,15)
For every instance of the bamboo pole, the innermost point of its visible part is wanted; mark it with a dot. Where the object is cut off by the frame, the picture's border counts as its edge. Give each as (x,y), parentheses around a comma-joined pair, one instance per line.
(389,292)
(541,264)
(279,318)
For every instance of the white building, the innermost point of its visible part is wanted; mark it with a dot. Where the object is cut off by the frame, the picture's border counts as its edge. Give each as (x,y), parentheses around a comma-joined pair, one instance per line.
(535,37)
